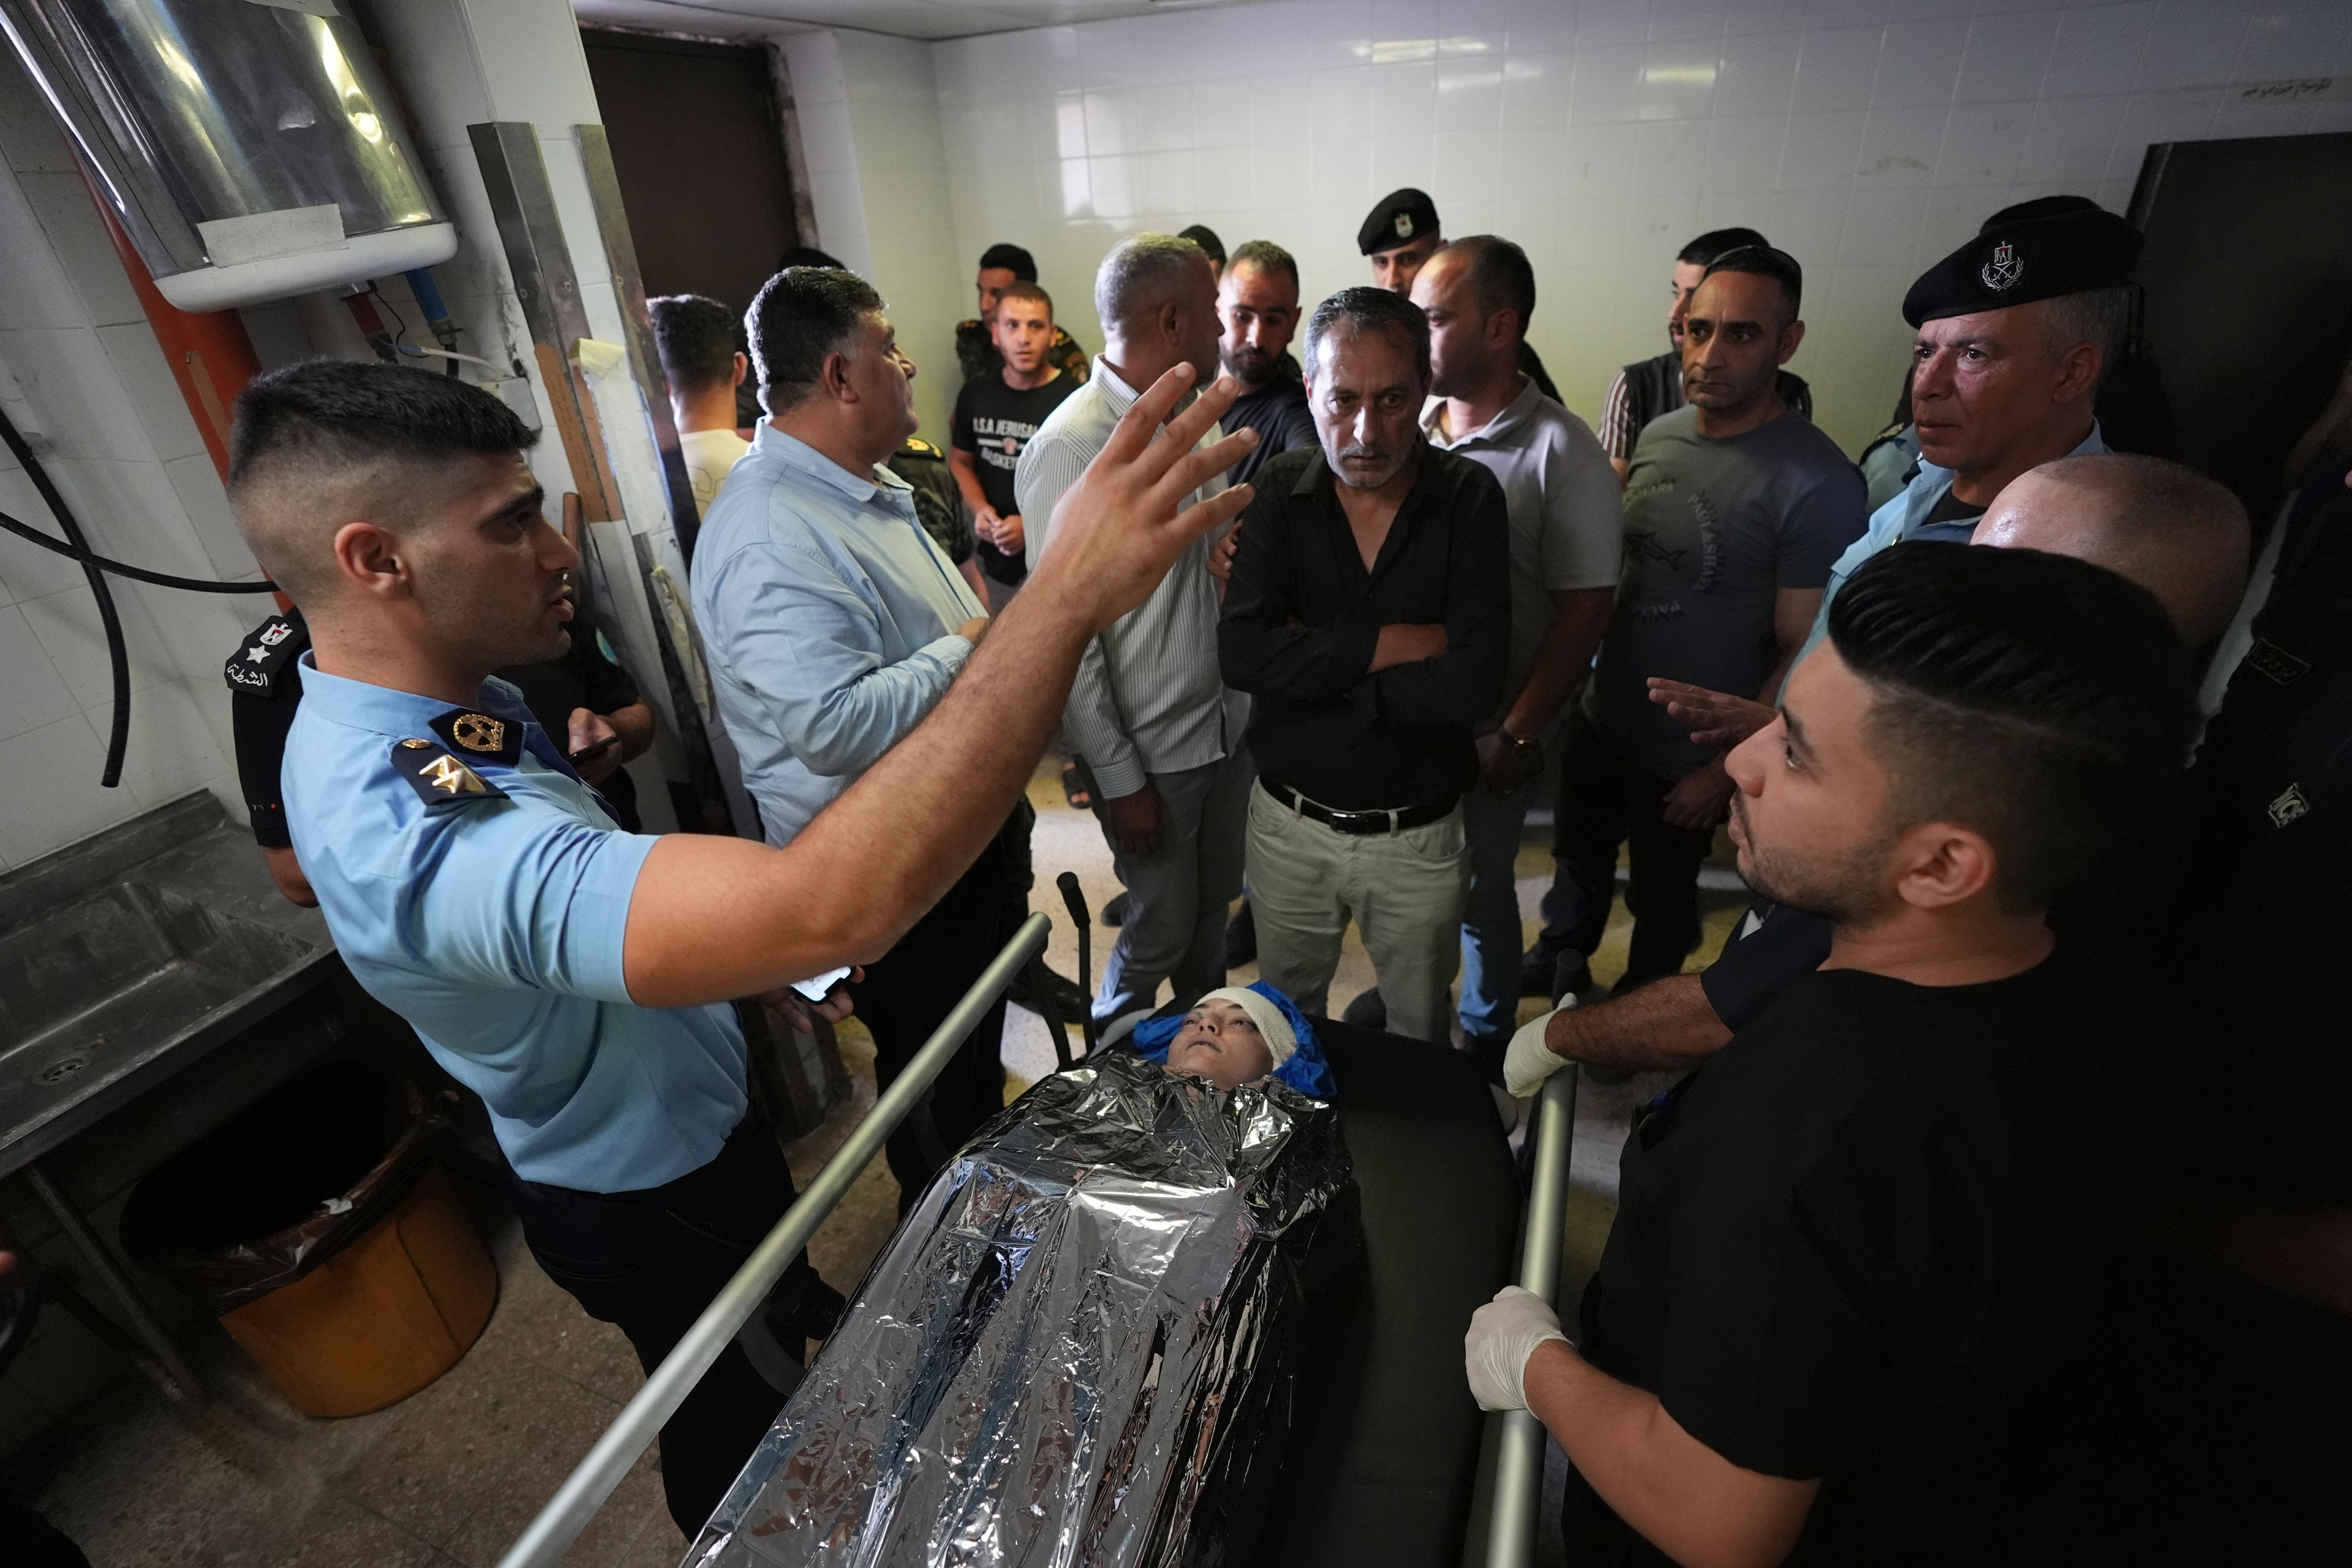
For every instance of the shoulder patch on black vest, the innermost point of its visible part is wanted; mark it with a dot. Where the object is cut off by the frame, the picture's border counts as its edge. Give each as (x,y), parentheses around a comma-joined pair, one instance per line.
(264,662)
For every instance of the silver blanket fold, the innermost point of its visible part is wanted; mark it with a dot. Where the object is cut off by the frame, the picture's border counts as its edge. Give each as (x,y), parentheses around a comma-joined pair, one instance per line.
(1078,1348)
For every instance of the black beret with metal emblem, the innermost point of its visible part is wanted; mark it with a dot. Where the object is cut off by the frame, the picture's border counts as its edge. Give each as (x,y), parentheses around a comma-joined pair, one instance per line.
(2035,250)
(1399,218)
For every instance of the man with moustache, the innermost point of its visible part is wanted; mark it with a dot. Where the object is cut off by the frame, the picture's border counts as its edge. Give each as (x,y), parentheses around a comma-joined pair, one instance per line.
(1647,388)
(1257,306)
(1368,615)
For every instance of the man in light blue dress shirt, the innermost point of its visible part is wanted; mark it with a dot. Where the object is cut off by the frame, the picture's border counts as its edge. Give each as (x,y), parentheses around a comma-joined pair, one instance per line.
(833,625)
(575,976)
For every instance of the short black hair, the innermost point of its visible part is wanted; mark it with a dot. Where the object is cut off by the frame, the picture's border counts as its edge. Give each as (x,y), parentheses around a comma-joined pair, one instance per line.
(800,316)
(1366,309)
(353,412)
(1266,257)
(1018,290)
(1502,274)
(1010,258)
(808,255)
(1205,237)
(1701,251)
(696,337)
(1764,261)
(2041,699)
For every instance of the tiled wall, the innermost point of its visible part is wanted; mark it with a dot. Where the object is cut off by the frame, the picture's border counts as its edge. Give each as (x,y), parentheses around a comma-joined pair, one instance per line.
(79,365)
(1868,137)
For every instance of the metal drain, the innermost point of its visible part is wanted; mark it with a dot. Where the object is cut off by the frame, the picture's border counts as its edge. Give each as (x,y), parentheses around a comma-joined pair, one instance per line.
(62,1069)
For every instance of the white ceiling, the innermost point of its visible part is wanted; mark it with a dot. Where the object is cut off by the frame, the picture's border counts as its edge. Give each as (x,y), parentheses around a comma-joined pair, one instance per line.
(904,19)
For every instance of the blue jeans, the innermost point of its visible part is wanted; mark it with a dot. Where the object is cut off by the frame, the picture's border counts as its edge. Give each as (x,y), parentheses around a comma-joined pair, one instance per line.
(1492,960)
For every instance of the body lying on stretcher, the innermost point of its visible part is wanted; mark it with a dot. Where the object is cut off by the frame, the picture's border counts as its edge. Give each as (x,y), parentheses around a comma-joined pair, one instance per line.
(1083,1342)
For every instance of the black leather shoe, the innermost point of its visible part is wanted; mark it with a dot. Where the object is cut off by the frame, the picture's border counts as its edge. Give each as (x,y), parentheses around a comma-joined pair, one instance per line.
(1069,1000)
(1367,1011)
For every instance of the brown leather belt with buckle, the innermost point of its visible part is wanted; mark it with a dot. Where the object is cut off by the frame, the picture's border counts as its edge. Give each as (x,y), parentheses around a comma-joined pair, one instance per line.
(1340,821)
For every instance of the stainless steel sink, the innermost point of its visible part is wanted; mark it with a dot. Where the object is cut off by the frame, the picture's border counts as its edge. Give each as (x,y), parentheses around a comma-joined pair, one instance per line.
(126,957)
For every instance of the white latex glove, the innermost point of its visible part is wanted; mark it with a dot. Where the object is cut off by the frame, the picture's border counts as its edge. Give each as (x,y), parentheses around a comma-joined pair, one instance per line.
(1503,1334)
(1529,1061)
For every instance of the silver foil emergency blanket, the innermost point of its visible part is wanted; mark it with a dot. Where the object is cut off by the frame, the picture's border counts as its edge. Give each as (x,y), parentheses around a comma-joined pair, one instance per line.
(1079,1349)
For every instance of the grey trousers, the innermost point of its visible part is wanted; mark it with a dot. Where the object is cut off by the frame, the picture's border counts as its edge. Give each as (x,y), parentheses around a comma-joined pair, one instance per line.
(1404,890)
(1178,895)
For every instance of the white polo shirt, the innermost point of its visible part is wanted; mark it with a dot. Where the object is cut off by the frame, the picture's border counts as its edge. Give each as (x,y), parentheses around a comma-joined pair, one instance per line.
(1567,510)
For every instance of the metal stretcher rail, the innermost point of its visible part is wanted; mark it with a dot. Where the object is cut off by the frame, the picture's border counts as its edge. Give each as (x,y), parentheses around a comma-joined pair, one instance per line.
(575,1502)
(1518,1468)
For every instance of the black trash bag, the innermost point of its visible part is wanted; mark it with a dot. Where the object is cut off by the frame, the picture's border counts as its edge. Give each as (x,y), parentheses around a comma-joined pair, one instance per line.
(284,1186)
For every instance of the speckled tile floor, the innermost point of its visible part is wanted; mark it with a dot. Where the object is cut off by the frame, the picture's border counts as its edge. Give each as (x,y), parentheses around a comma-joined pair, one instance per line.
(450,1475)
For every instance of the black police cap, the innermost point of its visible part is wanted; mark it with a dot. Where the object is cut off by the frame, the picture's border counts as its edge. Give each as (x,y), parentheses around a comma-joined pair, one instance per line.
(2034,251)
(1401,218)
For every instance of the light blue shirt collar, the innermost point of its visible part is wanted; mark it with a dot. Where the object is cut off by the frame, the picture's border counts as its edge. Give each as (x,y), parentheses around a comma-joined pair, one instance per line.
(387,711)
(799,456)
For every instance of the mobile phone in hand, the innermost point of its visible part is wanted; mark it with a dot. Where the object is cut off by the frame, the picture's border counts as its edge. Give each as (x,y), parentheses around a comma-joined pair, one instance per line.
(590,753)
(818,987)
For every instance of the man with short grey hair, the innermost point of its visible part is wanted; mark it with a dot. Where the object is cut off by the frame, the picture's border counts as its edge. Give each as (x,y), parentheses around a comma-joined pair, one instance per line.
(1147,710)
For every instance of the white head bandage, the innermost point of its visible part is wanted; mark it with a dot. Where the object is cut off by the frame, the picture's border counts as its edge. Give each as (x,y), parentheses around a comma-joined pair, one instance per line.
(1270,1024)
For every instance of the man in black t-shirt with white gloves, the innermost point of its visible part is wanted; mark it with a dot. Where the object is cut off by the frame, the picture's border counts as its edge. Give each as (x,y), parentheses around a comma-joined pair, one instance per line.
(1863,1266)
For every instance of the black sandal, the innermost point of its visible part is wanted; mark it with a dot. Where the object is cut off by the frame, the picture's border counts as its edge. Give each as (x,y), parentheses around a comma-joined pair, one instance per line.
(1077,787)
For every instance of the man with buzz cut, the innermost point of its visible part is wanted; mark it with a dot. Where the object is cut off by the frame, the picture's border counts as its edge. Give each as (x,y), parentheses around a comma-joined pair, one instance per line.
(1642,391)
(995,416)
(1400,235)
(578,977)
(1001,266)
(1862,1301)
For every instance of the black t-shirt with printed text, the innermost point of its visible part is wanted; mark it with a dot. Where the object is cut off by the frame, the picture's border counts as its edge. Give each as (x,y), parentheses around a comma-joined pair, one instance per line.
(1876,1240)
(993,422)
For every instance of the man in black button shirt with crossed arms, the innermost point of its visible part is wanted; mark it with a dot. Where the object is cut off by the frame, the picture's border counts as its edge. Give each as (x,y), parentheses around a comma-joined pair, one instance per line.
(1369,612)
(1864,1269)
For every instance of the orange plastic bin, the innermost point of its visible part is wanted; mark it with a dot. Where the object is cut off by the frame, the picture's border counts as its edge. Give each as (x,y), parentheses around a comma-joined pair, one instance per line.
(318,1226)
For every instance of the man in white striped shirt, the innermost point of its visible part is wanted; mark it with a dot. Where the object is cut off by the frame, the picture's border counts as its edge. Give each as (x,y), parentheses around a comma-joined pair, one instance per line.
(1147,710)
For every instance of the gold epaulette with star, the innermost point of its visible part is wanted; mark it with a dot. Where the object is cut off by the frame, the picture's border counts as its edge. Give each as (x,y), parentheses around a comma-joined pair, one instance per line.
(438,777)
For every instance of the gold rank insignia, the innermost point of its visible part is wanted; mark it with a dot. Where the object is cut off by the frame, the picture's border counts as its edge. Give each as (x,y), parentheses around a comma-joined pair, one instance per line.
(480,735)
(437,778)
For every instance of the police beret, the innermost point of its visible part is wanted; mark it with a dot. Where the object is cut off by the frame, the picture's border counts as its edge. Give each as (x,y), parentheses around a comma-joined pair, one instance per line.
(1399,218)
(2034,251)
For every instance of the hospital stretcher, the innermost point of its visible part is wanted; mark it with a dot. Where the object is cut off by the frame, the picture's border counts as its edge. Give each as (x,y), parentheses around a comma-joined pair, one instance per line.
(1389,1460)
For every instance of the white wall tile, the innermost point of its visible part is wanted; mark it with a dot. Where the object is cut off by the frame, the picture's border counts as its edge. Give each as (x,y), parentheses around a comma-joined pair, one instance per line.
(172,751)
(1759,74)
(2007,55)
(2097,50)
(77,235)
(1835,68)
(77,400)
(34,693)
(1867,135)
(55,799)
(69,627)
(1606,84)
(147,380)
(1920,62)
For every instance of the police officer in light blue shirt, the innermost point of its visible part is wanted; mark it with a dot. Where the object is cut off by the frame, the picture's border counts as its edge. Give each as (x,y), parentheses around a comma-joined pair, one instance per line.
(2015,330)
(577,977)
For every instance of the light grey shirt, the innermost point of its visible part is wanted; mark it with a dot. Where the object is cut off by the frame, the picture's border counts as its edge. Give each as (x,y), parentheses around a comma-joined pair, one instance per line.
(829,620)
(1567,514)
(1147,698)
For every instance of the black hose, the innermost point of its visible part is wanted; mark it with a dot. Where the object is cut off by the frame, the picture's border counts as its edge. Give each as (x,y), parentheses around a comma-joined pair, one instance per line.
(124,568)
(119,738)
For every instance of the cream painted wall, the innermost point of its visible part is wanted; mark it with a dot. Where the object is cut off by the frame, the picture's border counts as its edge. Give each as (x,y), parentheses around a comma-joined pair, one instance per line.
(1867,137)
